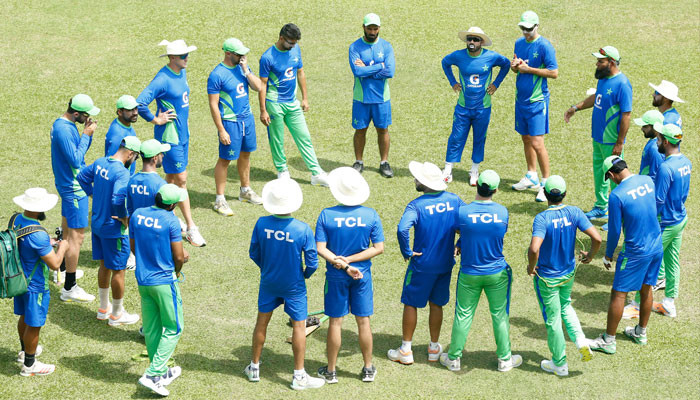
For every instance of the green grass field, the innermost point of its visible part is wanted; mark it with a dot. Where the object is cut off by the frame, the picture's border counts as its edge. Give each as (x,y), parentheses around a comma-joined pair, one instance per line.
(53,50)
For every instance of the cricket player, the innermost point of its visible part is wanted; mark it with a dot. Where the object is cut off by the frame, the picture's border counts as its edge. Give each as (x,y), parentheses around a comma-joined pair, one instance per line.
(127,114)
(552,263)
(663,97)
(144,185)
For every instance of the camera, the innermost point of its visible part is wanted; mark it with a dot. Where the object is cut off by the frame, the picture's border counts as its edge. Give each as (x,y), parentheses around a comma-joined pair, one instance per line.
(59,233)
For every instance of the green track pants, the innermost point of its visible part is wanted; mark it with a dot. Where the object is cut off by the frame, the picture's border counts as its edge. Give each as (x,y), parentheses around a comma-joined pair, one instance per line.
(161,308)
(290,114)
(601,186)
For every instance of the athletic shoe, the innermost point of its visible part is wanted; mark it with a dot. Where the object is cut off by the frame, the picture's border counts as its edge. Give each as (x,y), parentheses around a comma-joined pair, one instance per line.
(526,183)
(306,382)
(400,356)
(358,166)
(283,174)
(368,374)
(253,374)
(103,313)
(541,198)
(59,277)
(223,208)
(506,365)
(631,311)
(76,294)
(38,368)
(123,319)
(548,365)
(660,284)
(142,334)
(328,376)
(599,344)
(597,213)
(172,374)
(585,351)
(320,179)
(131,262)
(183,226)
(385,170)
(665,308)
(195,238)
(154,383)
(452,365)
(37,353)
(447,177)
(473,178)
(250,196)
(604,227)
(631,332)
(434,355)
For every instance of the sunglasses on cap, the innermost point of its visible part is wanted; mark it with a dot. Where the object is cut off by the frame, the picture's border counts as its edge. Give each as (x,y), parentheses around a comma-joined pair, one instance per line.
(473,39)
(524,29)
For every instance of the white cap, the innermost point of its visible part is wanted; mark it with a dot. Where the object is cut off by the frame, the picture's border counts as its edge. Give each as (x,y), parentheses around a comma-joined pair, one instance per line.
(176,48)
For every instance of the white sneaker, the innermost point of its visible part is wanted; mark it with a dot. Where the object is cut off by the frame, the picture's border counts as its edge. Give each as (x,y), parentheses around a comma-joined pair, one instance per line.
(59,277)
(195,238)
(124,319)
(154,383)
(540,195)
(131,262)
(447,177)
(548,365)
(306,382)
(223,208)
(76,294)
(452,365)
(283,175)
(514,362)
(253,374)
(250,196)
(399,356)
(103,313)
(39,368)
(526,183)
(37,353)
(473,178)
(172,374)
(434,355)
(320,180)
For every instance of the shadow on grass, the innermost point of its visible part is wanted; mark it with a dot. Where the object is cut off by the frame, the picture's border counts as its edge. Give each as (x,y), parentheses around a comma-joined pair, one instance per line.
(274,367)
(530,208)
(92,366)
(592,302)
(488,360)
(256,174)
(8,366)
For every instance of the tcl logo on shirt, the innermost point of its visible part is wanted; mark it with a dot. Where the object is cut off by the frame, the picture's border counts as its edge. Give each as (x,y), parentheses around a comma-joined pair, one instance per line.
(282,236)
(560,222)
(140,189)
(485,218)
(149,222)
(102,172)
(350,222)
(640,191)
(685,170)
(439,207)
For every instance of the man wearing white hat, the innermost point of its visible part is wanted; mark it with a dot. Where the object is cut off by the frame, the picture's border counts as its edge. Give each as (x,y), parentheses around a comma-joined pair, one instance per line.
(171,92)
(127,114)
(475,87)
(37,257)
(348,236)
(430,261)
(229,103)
(280,246)
(664,96)
(535,62)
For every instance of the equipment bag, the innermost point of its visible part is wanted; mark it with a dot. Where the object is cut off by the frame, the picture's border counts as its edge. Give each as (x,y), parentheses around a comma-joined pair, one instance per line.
(12,280)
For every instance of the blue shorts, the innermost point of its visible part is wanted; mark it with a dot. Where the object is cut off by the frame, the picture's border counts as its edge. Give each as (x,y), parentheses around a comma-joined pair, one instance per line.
(379,113)
(175,160)
(532,120)
(34,306)
(242,135)
(421,287)
(76,210)
(349,296)
(294,305)
(632,273)
(114,251)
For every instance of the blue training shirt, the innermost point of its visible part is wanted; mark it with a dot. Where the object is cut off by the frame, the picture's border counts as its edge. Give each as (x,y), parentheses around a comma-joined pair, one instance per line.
(671,116)
(482,225)
(68,148)
(613,97)
(348,230)
(433,217)
(106,180)
(475,75)
(232,88)
(372,80)
(651,159)
(672,186)
(171,92)
(539,53)
(153,230)
(116,133)
(557,226)
(31,248)
(276,246)
(142,189)
(280,69)
(632,210)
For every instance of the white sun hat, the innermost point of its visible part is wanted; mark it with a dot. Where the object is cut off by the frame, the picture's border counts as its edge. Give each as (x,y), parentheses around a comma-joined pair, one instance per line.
(428,174)
(667,89)
(176,48)
(348,186)
(36,200)
(475,31)
(282,196)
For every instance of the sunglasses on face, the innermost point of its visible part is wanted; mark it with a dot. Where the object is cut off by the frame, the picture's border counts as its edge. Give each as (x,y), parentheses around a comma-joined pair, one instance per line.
(473,39)
(524,29)
(184,56)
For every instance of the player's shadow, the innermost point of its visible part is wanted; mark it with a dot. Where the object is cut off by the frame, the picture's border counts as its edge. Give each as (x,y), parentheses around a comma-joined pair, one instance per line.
(592,302)
(593,274)
(200,199)
(526,207)
(199,362)
(92,366)
(256,174)
(8,367)
(275,367)
(533,330)
(487,360)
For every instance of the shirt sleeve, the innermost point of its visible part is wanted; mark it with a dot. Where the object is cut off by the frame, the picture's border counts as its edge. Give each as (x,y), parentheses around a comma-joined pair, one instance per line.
(264,66)
(662,185)
(503,63)
(583,222)
(213,83)
(550,58)
(625,99)
(376,235)
(254,250)
(175,230)
(389,63)
(408,220)
(539,226)
(301,63)
(40,242)
(150,93)
(614,224)
(447,62)
(75,155)
(321,228)
(361,72)
(85,178)
(119,195)
(310,253)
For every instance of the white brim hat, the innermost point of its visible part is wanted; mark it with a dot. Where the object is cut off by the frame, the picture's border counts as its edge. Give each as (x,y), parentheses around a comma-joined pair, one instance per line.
(475,31)
(176,48)
(282,196)
(667,89)
(428,174)
(36,200)
(348,186)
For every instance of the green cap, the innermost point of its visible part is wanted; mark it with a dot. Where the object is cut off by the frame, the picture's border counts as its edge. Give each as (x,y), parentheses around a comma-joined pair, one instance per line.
(127,102)
(152,147)
(83,103)
(650,118)
(171,194)
(491,178)
(608,163)
(371,19)
(555,182)
(132,143)
(608,52)
(235,46)
(671,132)
(529,19)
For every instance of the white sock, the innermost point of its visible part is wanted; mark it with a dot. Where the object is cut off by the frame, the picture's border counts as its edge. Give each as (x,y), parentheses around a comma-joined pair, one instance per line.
(638,330)
(448,168)
(384,162)
(669,300)
(245,189)
(104,298)
(220,197)
(475,168)
(406,346)
(581,342)
(359,161)
(254,365)
(532,175)
(608,338)
(117,307)
(434,345)
(299,373)
(543,181)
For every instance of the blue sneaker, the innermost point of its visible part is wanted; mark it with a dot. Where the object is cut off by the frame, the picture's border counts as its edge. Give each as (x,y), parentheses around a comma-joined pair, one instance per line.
(604,227)
(597,213)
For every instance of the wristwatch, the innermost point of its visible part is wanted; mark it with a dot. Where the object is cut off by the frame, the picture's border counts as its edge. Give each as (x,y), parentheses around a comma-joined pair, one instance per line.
(346,268)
